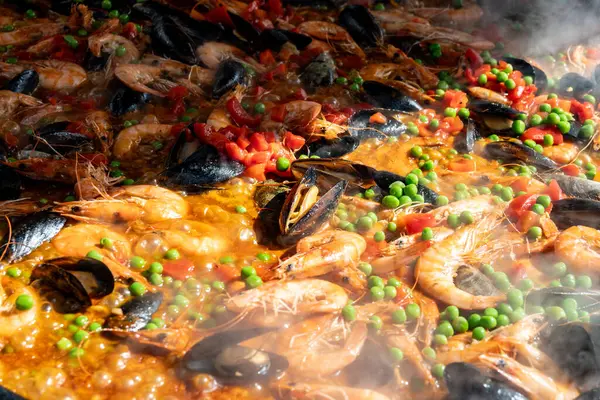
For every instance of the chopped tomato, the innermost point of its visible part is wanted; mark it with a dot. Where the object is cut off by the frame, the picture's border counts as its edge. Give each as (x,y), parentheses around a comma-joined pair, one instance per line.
(129,30)
(583,110)
(522,204)
(243,141)
(270,137)
(219,15)
(258,142)
(570,169)
(258,157)
(565,105)
(293,142)
(235,152)
(207,134)
(256,171)
(455,99)
(474,58)
(278,113)
(228,272)
(462,165)
(554,191)
(527,220)
(415,223)
(537,134)
(178,269)
(176,93)
(239,115)
(378,118)
(266,57)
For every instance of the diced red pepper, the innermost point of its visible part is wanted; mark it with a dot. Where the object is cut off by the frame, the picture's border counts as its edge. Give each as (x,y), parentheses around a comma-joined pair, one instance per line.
(207,134)
(270,137)
(583,110)
(219,15)
(178,92)
(239,115)
(415,223)
(243,141)
(235,152)
(178,269)
(462,165)
(455,99)
(258,142)
(521,184)
(565,105)
(129,30)
(256,171)
(258,157)
(522,204)
(537,134)
(266,57)
(300,94)
(293,142)
(554,191)
(474,58)
(571,170)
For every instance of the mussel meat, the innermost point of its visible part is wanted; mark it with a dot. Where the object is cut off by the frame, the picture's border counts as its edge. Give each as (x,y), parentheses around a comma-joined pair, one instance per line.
(136,313)
(74,281)
(29,233)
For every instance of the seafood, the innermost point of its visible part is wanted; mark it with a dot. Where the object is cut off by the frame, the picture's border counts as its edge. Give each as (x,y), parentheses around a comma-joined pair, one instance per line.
(53,74)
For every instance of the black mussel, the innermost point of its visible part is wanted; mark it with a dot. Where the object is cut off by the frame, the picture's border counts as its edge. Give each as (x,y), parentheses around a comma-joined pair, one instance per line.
(29,233)
(573,348)
(205,167)
(539,77)
(466,382)
(125,100)
(575,135)
(244,28)
(360,125)
(10,183)
(578,187)
(319,72)
(332,170)
(303,212)
(136,313)
(361,25)
(568,212)
(274,39)
(221,356)
(383,179)
(266,225)
(511,152)
(267,191)
(384,96)
(6,394)
(93,63)
(575,85)
(373,359)
(465,140)
(593,394)
(229,74)
(181,150)
(76,281)
(61,142)
(334,148)
(26,82)
(489,108)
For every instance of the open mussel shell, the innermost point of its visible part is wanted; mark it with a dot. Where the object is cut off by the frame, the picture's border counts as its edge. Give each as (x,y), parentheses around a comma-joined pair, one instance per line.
(201,170)
(540,79)
(573,211)
(125,100)
(465,140)
(361,25)
(77,280)
(574,85)
(26,82)
(55,138)
(29,233)
(274,39)
(136,313)
(465,382)
(384,96)
(361,127)
(332,170)
(489,108)
(574,349)
(511,152)
(302,214)
(220,356)
(333,148)
(6,394)
(229,74)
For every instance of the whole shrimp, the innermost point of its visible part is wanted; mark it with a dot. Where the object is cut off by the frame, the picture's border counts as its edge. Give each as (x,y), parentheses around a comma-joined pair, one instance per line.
(30,33)
(438,265)
(54,74)
(109,43)
(10,102)
(578,246)
(129,139)
(322,253)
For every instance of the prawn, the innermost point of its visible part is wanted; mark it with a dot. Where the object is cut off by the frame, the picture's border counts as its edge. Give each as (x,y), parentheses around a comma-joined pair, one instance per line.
(330,32)
(467,14)
(578,246)
(78,240)
(191,245)
(439,264)
(322,253)
(319,391)
(47,169)
(54,74)
(489,95)
(11,319)
(11,101)
(129,139)
(130,203)
(276,303)
(536,384)
(109,43)
(144,78)
(411,351)
(322,345)
(212,53)
(30,33)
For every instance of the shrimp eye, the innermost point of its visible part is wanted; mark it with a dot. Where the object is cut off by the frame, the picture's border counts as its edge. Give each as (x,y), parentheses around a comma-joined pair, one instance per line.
(76,209)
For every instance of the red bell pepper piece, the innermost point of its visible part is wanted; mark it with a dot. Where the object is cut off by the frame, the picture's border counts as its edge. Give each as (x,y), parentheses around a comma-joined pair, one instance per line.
(415,223)
(178,269)
(239,115)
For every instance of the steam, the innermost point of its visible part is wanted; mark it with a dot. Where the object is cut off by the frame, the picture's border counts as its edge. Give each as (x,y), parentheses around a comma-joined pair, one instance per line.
(541,27)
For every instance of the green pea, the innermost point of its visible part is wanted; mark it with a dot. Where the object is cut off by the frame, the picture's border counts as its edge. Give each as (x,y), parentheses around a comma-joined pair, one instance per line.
(488,322)
(427,234)
(399,316)
(259,108)
(487,269)
(466,217)
(390,201)
(95,255)
(460,324)
(453,221)
(390,292)
(349,312)
(377,293)
(442,201)
(413,311)
(137,262)
(518,127)
(568,280)
(282,164)
(450,112)
(525,284)
(137,289)
(396,354)
(445,328)
(555,313)
(172,254)
(374,281)
(253,281)
(451,312)
(392,226)
(395,282)
(545,108)
(584,282)
(379,236)
(24,302)
(482,80)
